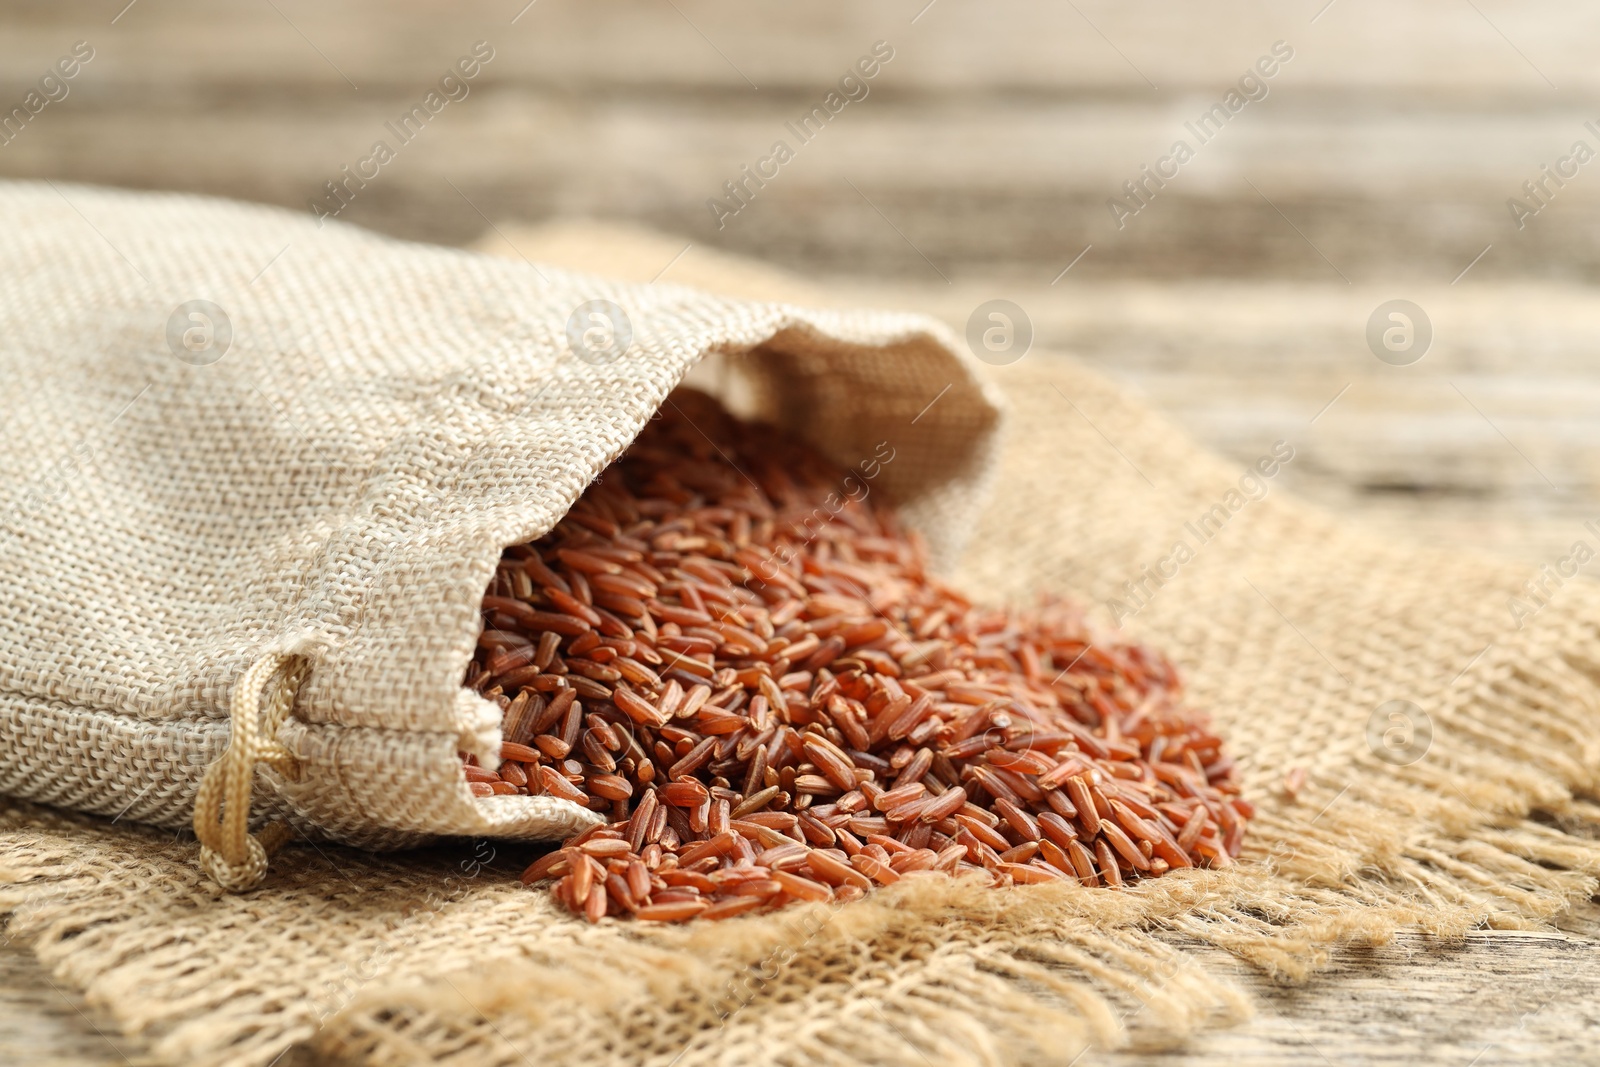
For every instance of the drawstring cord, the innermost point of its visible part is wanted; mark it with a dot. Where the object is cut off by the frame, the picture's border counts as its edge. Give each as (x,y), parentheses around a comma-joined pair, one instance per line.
(235,859)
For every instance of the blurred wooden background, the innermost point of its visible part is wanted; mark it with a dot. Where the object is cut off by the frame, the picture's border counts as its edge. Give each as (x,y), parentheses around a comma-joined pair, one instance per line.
(1378,166)
(978,165)
(992,139)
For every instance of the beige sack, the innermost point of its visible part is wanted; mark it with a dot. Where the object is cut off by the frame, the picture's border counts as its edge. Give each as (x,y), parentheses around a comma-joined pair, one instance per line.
(1293,627)
(245,455)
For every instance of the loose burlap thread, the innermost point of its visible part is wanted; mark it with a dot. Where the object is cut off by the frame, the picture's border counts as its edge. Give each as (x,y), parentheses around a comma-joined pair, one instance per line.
(1291,626)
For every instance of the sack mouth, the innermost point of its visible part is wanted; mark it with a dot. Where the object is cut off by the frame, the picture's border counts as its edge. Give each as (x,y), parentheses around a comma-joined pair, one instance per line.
(769,383)
(811,373)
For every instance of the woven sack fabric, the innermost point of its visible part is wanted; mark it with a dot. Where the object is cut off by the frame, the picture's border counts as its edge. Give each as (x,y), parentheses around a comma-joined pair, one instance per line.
(245,455)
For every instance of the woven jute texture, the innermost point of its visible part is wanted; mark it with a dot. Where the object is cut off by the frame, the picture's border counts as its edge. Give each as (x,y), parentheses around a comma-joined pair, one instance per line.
(1294,628)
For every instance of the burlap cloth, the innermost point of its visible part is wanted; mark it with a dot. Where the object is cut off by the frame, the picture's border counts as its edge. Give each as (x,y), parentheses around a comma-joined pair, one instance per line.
(1293,627)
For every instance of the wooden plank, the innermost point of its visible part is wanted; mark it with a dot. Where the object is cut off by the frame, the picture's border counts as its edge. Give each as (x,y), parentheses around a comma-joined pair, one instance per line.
(1494,999)
(993,139)
(1012,191)
(44,1022)
(1010,45)
(1456,448)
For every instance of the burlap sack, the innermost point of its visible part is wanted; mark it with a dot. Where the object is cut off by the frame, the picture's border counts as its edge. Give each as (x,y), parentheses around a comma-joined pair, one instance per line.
(254,463)
(1293,627)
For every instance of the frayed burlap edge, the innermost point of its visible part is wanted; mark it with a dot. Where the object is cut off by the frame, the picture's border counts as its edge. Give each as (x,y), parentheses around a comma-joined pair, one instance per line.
(963,975)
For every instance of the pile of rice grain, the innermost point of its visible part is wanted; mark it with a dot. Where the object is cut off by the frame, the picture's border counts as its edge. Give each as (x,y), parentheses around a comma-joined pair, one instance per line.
(730,649)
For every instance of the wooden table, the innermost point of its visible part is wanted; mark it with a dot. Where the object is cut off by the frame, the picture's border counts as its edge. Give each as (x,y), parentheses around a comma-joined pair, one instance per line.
(1378,166)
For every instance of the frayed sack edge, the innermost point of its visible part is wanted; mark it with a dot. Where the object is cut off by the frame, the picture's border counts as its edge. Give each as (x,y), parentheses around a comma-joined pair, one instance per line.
(957,971)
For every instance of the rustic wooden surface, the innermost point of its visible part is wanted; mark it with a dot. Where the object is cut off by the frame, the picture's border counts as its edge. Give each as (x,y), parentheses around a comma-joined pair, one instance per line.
(1378,166)
(1390,142)
(1496,999)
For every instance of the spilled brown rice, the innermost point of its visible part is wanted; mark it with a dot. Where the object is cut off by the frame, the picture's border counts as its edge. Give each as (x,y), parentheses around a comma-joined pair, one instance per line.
(731,651)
